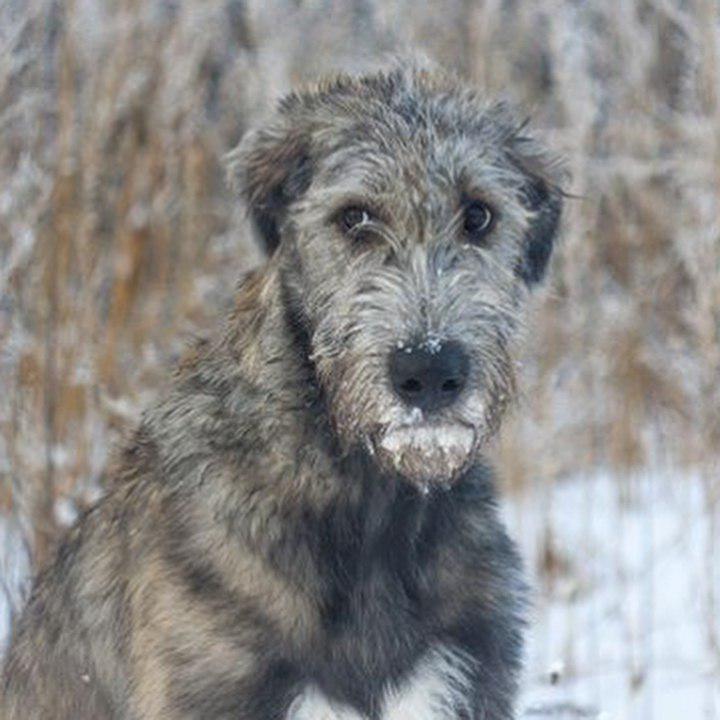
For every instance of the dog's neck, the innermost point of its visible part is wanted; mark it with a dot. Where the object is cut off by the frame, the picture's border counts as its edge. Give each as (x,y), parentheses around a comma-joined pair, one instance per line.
(270,342)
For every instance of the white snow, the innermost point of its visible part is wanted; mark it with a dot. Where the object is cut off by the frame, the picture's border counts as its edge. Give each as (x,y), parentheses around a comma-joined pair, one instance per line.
(14,570)
(626,625)
(433,344)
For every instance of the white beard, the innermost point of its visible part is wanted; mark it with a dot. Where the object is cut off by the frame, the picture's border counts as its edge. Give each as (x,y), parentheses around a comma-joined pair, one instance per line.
(426,453)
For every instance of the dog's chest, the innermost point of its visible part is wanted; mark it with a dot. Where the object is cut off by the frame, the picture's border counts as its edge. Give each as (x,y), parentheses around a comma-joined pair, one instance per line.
(377,625)
(375,629)
(438,687)
(380,609)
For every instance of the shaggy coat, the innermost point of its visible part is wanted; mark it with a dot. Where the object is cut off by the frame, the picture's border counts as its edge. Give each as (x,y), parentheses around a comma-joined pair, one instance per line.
(284,538)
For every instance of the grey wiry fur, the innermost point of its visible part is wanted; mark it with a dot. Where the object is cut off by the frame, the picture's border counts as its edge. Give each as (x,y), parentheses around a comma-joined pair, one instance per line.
(281,523)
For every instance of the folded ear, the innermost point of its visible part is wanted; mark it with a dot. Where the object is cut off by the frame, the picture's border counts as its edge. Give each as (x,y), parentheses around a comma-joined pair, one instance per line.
(270,168)
(544,201)
(542,196)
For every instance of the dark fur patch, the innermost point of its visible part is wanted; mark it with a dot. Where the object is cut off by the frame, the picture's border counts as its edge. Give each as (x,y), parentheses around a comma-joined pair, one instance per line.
(268,212)
(547,206)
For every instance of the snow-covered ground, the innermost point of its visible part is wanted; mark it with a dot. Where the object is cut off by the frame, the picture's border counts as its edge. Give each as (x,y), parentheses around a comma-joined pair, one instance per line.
(626,620)
(14,569)
(627,607)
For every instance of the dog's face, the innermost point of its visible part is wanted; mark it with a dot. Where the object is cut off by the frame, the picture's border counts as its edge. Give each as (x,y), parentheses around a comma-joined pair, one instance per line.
(410,220)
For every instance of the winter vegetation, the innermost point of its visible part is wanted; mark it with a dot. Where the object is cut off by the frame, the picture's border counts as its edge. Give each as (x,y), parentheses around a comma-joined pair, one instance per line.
(119,241)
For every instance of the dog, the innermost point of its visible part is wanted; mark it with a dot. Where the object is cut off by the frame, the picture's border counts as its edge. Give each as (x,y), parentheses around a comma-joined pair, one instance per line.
(304,526)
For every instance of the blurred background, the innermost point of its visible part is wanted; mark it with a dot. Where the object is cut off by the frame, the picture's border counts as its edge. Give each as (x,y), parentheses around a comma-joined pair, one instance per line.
(119,241)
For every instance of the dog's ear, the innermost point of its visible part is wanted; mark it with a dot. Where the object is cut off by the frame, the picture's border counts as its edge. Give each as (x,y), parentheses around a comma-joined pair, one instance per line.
(270,168)
(542,197)
(545,203)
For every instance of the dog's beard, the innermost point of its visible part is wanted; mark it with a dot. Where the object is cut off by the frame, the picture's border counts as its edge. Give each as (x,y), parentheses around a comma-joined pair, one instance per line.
(426,454)
(424,450)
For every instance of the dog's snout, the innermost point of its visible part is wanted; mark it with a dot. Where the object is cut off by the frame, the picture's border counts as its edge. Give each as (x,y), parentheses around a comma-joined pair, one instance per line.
(429,376)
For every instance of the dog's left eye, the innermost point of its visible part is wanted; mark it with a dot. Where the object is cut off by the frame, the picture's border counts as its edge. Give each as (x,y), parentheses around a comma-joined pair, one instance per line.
(353,217)
(477,220)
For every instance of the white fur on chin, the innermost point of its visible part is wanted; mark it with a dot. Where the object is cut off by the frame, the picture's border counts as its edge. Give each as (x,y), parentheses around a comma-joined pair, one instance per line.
(427,453)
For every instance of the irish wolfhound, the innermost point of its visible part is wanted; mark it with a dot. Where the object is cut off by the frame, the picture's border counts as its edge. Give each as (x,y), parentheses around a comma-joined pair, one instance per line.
(303,527)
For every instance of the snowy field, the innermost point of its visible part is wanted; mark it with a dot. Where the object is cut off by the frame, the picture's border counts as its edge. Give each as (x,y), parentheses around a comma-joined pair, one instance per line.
(627,584)
(626,616)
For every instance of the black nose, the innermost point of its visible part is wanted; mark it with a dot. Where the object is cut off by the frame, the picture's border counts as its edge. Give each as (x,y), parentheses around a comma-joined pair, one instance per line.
(429,376)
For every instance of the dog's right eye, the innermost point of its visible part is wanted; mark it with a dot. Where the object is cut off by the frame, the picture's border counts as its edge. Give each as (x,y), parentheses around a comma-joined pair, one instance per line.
(353,217)
(477,221)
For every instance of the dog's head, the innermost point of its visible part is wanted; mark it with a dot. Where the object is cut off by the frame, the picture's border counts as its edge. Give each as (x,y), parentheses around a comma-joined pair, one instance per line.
(409,218)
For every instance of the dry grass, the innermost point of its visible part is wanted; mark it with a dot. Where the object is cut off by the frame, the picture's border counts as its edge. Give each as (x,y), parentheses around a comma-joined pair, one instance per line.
(118,238)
